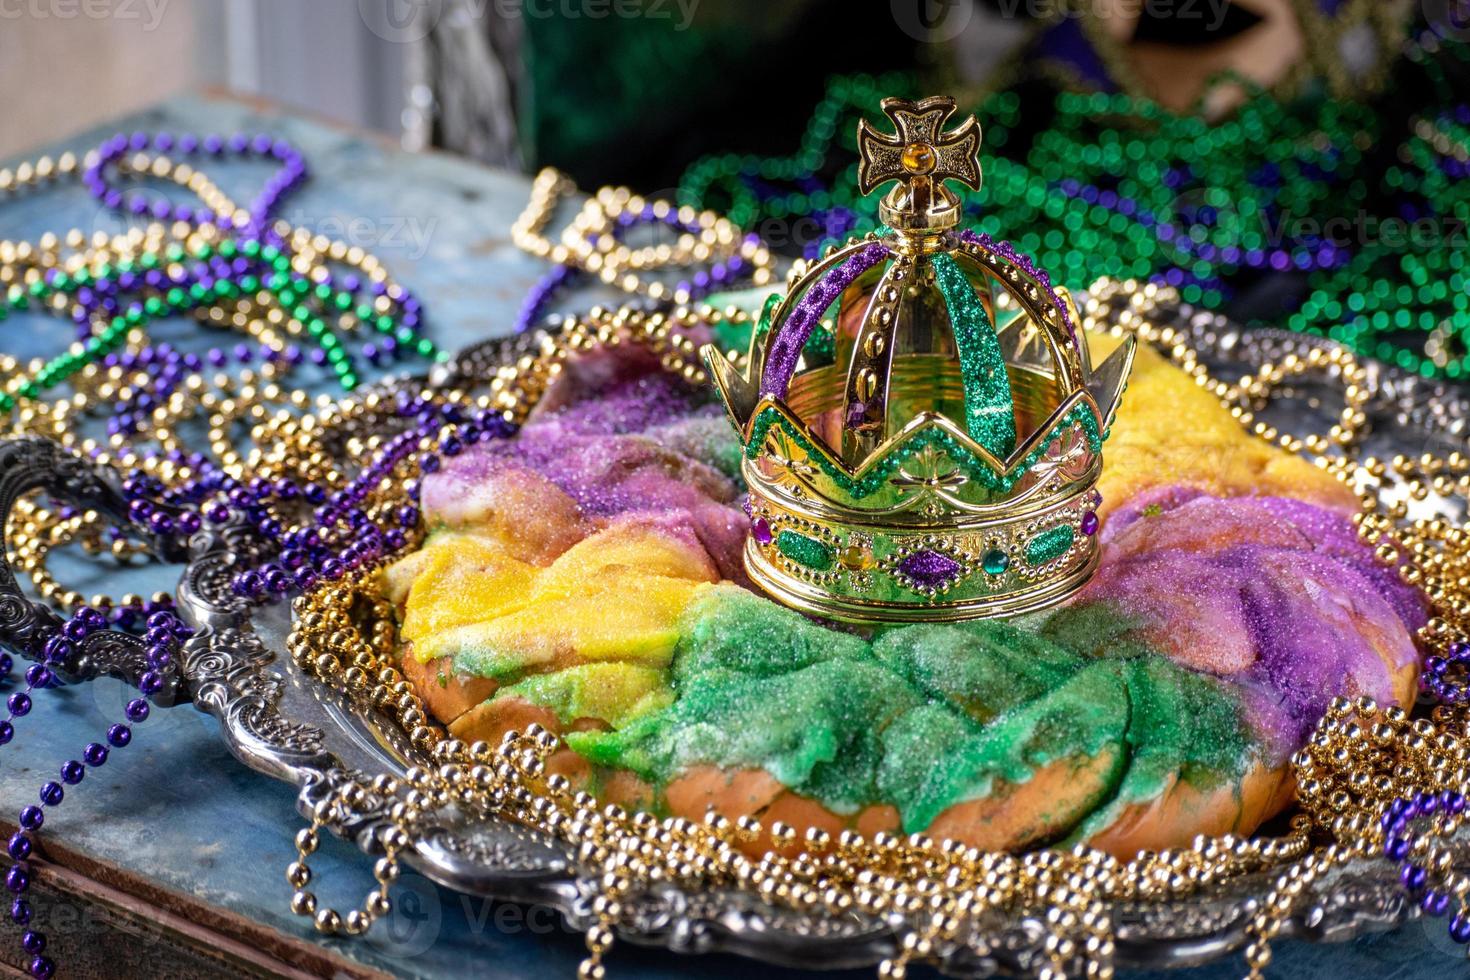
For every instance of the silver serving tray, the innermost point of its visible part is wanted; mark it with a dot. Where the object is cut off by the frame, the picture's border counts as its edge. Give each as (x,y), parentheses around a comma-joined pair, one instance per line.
(279,722)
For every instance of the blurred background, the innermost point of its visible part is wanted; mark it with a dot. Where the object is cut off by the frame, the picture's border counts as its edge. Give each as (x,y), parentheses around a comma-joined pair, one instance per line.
(632,90)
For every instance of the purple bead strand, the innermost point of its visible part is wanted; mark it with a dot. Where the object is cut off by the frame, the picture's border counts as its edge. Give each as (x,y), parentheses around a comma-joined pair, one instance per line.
(1398,846)
(165,632)
(288,176)
(1445,678)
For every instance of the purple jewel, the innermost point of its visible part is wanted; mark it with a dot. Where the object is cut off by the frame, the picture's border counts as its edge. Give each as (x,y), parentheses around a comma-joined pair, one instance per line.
(1089,523)
(929,569)
(760,529)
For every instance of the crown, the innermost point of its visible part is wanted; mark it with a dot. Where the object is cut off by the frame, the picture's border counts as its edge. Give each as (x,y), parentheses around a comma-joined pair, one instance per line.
(921,421)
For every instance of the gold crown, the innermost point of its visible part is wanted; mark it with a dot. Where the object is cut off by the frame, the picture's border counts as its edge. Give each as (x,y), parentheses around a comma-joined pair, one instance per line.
(915,450)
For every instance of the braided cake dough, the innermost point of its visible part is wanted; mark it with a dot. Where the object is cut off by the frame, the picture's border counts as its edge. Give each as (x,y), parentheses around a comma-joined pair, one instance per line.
(586,575)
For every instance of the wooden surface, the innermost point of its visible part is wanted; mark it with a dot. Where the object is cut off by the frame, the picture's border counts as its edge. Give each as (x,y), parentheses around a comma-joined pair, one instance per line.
(170,860)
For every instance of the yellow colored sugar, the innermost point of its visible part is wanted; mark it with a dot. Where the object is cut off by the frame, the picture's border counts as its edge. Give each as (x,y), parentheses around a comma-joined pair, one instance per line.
(1170,432)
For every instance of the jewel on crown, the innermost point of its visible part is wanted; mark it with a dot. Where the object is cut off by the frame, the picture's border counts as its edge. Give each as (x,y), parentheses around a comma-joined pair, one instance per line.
(921,419)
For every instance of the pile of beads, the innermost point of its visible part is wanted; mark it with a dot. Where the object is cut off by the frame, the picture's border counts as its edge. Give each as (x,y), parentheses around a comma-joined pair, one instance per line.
(294,294)
(297,296)
(228,266)
(1360,227)
(594,244)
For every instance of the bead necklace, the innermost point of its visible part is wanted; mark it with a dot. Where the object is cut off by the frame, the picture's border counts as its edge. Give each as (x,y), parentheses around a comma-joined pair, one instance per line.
(593,244)
(187,266)
(222,211)
(56,642)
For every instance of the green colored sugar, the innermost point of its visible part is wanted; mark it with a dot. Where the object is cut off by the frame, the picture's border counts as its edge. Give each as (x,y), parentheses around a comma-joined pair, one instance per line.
(1183,725)
(979,670)
(1085,715)
(923,717)
(730,628)
(616,693)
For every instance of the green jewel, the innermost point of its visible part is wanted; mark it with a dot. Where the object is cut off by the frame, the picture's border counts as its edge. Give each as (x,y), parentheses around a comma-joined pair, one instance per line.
(995,562)
(804,550)
(1049,545)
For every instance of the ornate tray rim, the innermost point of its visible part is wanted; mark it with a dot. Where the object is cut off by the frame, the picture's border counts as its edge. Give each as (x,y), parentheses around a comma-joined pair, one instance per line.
(272,724)
(234,677)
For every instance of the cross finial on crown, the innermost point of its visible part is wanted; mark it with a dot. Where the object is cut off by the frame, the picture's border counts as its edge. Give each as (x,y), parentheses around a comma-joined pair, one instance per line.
(920,148)
(921,155)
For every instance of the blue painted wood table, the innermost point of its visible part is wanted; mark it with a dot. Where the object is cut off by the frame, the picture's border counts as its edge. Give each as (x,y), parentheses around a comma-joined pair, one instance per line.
(170,861)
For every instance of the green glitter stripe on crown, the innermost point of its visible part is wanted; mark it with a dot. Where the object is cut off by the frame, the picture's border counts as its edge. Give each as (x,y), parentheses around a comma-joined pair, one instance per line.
(974,467)
(768,310)
(990,415)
